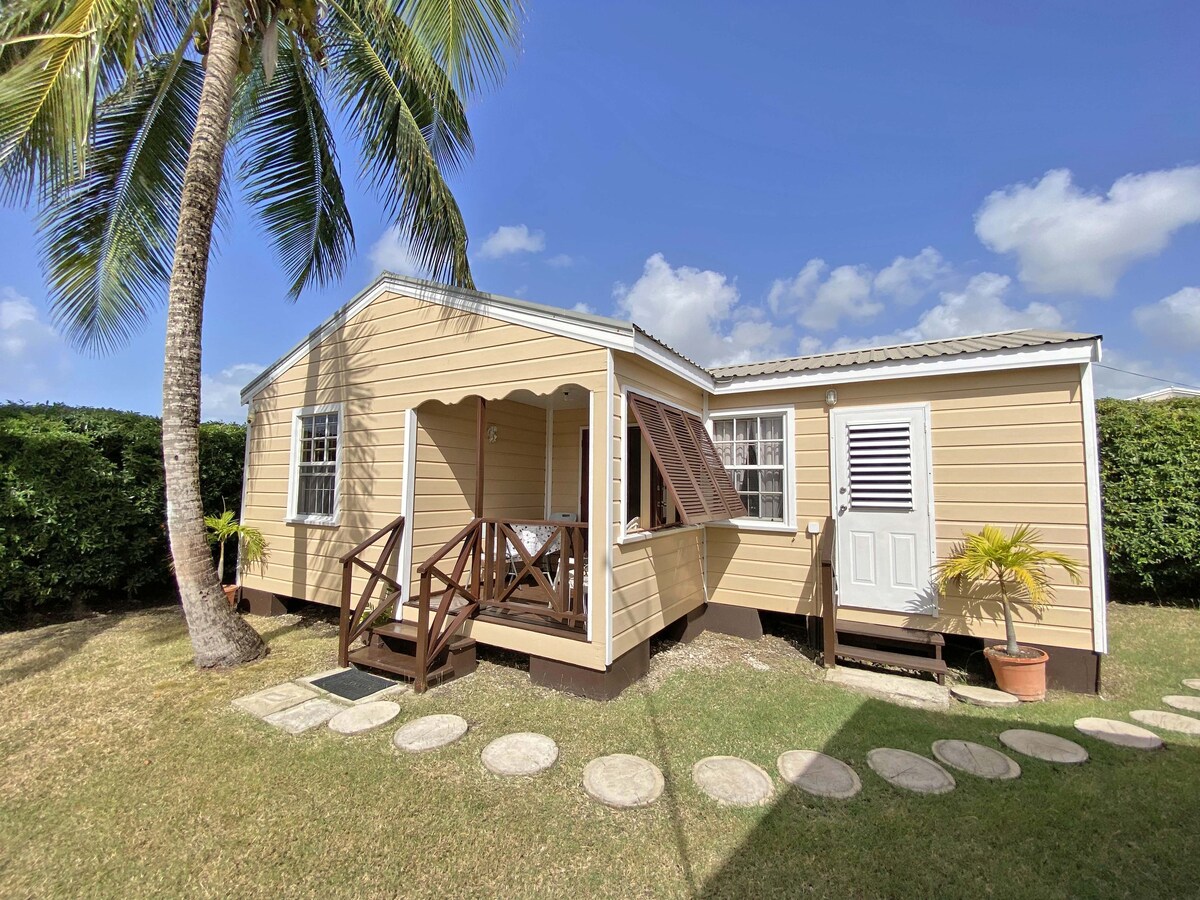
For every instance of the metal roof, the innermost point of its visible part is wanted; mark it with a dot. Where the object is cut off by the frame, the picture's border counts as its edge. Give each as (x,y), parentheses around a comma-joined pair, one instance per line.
(1005,340)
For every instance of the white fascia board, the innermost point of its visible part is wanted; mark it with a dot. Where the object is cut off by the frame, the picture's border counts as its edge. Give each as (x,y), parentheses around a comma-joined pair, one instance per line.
(608,333)
(1091,462)
(654,352)
(1075,353)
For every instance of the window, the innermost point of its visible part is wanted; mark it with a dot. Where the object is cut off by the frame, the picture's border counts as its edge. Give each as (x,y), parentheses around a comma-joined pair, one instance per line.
(315,464)
(752,448)
(694,484)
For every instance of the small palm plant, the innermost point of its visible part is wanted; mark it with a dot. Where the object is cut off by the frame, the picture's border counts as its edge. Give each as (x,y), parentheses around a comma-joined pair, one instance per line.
(1014,563)
(252,546)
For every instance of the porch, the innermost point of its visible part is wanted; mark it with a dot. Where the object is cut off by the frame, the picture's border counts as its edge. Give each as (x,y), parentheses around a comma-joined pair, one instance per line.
(495,535)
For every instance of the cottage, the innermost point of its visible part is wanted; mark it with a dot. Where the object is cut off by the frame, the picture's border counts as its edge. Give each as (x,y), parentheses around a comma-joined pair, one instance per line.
(452,468)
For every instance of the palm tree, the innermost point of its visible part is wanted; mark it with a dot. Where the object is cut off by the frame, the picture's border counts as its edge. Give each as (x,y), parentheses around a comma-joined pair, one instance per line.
(1014,563)
(251,545)
(115,119)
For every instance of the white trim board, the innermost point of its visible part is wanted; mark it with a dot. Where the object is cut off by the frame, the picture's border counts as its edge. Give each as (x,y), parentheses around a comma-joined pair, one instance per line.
(614,334)
(1091,465)
(408,498)
(747,523)
(290,515)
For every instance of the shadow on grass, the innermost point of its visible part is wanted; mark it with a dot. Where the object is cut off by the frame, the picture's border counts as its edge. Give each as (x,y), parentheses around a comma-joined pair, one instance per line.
(40,651)
(1122,824)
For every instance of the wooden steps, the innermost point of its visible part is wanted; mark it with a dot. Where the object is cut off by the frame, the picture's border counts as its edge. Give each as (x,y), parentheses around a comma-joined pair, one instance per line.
(392,647)
(861,642)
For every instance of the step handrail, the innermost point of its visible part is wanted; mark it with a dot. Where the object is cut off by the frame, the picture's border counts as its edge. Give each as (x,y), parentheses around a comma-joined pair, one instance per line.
(353,624)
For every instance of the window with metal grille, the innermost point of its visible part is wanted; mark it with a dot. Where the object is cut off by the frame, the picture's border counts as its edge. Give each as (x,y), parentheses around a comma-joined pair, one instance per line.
(752,450)
(880,465)
(316,464)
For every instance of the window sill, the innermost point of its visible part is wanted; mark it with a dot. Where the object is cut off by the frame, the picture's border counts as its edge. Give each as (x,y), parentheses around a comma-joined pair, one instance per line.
(638,537)
(757,525)
(319,521)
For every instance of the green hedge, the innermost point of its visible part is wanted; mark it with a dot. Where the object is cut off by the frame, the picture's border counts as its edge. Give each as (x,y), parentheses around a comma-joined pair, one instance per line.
(1150,472)
(82,514)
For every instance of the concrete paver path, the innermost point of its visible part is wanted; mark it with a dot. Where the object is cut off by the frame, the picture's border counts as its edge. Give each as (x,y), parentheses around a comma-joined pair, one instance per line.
(1120,733)
(523,753)
(364,717)
(983,696)
(733,781)
(1170,721)
(818,774)
(976,759)
(274,699)
(430,733)
(623,781)
(1043,746)
(300,718)
(910,771)
(1183,701)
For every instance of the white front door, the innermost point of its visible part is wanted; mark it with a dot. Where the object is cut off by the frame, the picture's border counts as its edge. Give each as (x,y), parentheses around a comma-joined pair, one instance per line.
(883,508)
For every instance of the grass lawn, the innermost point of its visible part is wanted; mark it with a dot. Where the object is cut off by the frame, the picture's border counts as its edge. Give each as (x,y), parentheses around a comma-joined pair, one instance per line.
(126,772)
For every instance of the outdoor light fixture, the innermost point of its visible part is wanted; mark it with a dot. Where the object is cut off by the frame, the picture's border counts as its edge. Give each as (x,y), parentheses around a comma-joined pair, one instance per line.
(831,397)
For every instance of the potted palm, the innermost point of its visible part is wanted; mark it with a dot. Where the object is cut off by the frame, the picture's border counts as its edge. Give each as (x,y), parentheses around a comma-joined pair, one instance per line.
(252,546)
(1017,568)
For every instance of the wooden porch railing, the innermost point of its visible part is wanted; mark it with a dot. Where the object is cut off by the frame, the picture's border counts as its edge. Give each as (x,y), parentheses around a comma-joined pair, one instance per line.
(488,575)
(355,623)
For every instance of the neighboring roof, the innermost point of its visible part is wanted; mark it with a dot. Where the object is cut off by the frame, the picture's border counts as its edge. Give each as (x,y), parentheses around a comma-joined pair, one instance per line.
(620,335)
(1005,340)
(1167,393)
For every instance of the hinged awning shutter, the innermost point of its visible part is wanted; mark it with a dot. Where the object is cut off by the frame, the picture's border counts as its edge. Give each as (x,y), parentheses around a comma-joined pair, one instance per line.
(691,467)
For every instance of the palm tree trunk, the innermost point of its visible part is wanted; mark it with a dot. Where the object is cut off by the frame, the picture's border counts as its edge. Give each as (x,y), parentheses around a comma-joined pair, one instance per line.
(1010,630)
(219,636)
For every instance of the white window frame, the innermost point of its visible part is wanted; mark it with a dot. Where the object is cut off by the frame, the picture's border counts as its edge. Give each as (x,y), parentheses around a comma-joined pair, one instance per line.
(750,523)
(294,518)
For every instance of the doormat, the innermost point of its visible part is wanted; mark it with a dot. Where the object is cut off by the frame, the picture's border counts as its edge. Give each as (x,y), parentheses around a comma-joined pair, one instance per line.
(353,684)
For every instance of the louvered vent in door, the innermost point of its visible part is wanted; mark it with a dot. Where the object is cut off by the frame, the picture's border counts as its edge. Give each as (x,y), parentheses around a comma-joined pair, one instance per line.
(880,457)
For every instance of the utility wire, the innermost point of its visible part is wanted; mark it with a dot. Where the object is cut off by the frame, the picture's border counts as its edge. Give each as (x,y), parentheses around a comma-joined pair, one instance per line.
(1151,377)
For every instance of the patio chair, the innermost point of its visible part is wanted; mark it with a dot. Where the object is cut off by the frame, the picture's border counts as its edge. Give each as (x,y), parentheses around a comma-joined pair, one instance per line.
(532,537)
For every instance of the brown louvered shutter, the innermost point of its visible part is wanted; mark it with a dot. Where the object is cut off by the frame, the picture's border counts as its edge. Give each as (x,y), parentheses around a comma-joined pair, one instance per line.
(692,470)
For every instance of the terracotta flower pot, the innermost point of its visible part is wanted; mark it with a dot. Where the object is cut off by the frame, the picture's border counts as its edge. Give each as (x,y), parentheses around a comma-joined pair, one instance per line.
(1022,676)
(231,594)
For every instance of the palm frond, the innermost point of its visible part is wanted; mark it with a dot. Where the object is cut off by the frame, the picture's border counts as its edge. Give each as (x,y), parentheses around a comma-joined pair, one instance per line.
(291,170)
(388,92)
(469,38)
(58,58)
(109,236)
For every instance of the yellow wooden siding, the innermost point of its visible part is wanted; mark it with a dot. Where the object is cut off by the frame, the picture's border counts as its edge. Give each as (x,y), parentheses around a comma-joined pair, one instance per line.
(566,457)
(1007,449)
(659,579)
(396,354)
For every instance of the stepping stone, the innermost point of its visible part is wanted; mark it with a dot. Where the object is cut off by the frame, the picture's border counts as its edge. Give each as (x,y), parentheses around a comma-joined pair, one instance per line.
(309,714)
(1170,721)
(364,716)
(274,699)
(983,696)
(732,781)
(1043,746)
(622,781)
(1184,702)
(1192,684)
(818,774)
(910,771)
(902,690)
(1120,733)
(976,759)
(430,733)
(523,753)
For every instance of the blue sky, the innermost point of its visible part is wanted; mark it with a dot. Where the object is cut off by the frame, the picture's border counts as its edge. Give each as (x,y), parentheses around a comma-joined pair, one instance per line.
(767,180)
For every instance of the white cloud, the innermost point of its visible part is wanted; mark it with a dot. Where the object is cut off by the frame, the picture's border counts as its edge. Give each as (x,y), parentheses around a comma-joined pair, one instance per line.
(1173,321)
(845,293)
(698,313)
(909,278)
(391,254)
(560,261)
(822,298)
(509,239)
(36,362)
(220,398)
(980,307)
(1066,239)
(583,308)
